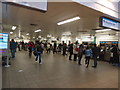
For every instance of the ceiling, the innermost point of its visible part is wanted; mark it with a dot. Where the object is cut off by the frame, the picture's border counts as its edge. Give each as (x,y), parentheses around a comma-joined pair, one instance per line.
(47,21)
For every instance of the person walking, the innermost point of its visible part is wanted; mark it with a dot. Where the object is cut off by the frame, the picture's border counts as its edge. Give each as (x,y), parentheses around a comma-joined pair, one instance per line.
(39,51)
(115,52)
(54,48)
(70,50)
(59,48)
(75,51)
(96,53)
(13,47)
(48,48)
(88,54)
(64,49)
(19,46)
(31,48)
(80,54)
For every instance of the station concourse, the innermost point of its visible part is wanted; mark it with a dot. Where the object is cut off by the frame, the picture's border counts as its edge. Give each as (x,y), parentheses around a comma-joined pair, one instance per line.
(41,45)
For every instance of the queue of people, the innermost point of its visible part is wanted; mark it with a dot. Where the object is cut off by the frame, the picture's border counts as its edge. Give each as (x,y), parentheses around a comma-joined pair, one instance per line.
(74,50)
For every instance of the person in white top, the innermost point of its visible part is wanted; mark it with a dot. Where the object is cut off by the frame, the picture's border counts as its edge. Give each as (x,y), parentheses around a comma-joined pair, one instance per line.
(75,51)
(48,48)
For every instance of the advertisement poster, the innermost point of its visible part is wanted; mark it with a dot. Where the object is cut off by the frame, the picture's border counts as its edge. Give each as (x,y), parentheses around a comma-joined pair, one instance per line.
(3,40)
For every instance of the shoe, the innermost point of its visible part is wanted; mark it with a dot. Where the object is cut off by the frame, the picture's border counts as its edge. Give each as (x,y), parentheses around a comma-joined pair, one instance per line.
(94,66)
(86,66)
(35,61)
(41,63)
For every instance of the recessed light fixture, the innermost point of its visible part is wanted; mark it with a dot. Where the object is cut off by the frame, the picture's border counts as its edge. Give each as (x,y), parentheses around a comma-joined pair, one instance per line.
(39,30)
(69,20)
(103,30)
(27,34)
(14,27)
(33,37)
(11,32)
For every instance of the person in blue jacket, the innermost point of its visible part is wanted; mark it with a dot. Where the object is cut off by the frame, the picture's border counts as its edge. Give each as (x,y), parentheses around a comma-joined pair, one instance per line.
(88,54)
(39,50)
(13,47)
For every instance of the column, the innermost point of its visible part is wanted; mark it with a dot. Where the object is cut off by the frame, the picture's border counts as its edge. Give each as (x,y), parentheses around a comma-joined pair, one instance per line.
(94,41)
(0,52)
(119,46)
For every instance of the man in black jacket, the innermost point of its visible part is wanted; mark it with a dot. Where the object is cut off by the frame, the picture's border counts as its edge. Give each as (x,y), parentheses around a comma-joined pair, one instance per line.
(95,52)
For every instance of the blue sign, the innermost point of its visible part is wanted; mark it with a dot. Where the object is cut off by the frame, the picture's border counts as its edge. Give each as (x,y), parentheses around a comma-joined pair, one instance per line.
(110,23)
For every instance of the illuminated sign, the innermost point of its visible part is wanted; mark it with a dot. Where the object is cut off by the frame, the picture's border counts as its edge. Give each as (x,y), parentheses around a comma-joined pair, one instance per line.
(108,23)
(3,40)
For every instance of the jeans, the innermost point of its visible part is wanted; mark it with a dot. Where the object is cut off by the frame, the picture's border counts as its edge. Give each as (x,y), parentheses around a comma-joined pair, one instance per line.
(95,60)
(87,60)
(70,56)
(48,50)
(79,59)
(75,57)
(13,53)
(38,56)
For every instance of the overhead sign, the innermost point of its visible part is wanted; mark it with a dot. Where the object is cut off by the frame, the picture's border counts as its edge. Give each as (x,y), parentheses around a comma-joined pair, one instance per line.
(108,23)
(39,4)
(3,40)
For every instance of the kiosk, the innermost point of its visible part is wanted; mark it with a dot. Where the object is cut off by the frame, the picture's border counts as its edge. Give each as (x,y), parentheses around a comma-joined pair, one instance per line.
(4,47)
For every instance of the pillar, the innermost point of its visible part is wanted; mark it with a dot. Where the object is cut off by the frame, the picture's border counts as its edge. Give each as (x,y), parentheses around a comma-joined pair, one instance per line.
(0,52)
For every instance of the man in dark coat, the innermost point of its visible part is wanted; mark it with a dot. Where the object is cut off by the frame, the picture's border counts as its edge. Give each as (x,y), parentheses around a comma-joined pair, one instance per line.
(115,51)
(95,52)
(80,54)
(70,49)
(13,47)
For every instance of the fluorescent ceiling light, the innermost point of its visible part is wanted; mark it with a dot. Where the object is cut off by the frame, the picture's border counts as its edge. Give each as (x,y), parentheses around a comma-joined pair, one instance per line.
(39,36)
(27,34)
(33,37)
(11,32)
(69,20)
(14,27)
(22,35)
(103,30)
(39,30)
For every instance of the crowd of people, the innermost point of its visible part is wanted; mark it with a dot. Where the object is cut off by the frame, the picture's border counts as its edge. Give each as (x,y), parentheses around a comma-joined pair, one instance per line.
(74,51)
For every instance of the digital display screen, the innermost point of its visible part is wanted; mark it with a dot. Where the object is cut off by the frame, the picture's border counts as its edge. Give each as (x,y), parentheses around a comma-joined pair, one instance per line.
(102,42)
(114,42)
(105,22)
(3,40)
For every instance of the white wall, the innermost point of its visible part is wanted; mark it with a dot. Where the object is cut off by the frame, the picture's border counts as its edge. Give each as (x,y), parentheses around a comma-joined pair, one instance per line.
(66,39)
(104,6)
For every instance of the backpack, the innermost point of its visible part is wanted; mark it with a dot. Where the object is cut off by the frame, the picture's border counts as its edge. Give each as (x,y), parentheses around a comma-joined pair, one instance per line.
(76,49)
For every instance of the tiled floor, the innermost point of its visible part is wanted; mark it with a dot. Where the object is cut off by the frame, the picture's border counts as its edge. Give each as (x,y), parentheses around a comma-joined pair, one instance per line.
(57,72)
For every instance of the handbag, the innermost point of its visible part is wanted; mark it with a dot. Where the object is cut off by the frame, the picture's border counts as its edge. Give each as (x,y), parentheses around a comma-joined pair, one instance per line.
(35,53)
